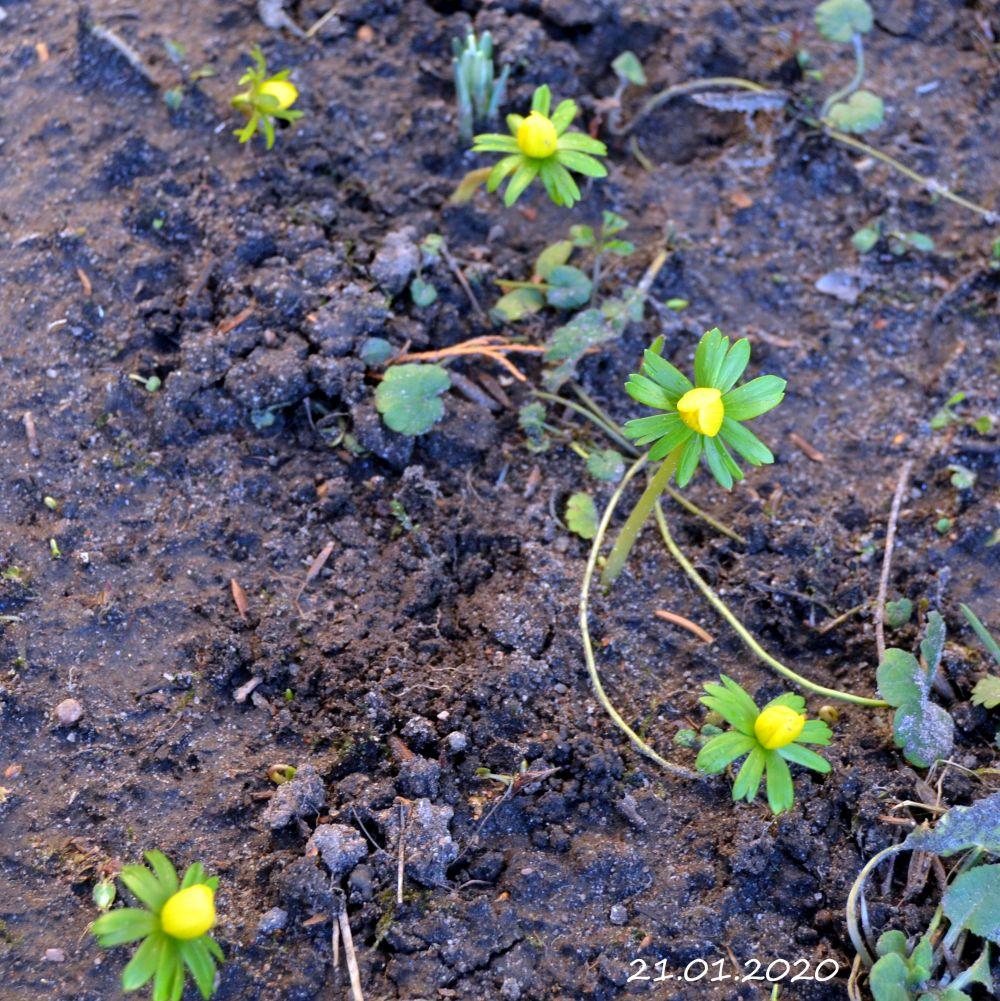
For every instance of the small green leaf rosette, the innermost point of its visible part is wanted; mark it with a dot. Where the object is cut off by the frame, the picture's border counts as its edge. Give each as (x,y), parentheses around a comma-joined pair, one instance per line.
(717,366)
(762,764)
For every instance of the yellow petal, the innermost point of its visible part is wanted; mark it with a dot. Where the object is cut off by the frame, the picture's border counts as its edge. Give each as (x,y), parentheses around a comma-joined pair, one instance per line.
(702,410)
(282,91)
(536,136)
(777,726)
(189,913)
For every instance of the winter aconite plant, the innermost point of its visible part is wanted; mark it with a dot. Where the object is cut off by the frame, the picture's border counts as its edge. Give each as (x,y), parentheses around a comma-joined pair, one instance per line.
(267,99)
(770,738)
(699,419)
(539,145)
(173,928)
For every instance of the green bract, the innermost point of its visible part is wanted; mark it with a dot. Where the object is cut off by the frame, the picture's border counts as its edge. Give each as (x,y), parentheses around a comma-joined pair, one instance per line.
(571,151)
(740,711)
(408,398)
(719,366)
(160,957)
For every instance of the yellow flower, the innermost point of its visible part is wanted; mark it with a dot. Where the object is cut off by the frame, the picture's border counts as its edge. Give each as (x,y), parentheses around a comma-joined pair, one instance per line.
(282,91)
(778,726)
(702,410)
(536,136)
(189,913)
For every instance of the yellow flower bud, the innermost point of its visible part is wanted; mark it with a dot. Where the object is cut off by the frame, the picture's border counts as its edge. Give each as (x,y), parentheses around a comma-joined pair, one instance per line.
(777,726)
(189,913)
(282,91)
(702,410)
(536,136)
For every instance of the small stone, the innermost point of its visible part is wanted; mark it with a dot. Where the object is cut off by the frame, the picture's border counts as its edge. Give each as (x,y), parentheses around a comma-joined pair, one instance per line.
(303,796)
(510,989)
(457,742)
(361,883)
(68,712)
(272,921)
(618,915)
(397,260)
(55,956)
(418,733)
(340,847)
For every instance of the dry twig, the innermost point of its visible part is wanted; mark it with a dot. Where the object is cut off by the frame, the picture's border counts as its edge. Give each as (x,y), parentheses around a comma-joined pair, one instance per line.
(691,627)
(890,541)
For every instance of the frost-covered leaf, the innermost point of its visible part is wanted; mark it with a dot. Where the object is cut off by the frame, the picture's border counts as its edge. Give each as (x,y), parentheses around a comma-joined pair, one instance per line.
(531,418)
(987,692)
(581,515)
(924,732)
(839,20)
(569,343)
(932,645)
(972,901)
(408,398)
(961,828)
(628,68)
(861,112)
(518,304)
(606,464)
(569,287)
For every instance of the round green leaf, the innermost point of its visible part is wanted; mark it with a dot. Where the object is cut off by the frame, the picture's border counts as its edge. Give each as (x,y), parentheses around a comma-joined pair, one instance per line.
(408,397)
(581,515)
(861,112)
(606,464)
(840,20)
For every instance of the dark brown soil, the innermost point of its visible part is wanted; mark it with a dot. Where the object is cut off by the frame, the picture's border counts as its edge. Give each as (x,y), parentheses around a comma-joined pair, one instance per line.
(133,237)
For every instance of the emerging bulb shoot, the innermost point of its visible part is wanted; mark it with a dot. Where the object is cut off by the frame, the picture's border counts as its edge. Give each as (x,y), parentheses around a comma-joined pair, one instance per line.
(702,410)
(536,136)
(189,913)
(778,726)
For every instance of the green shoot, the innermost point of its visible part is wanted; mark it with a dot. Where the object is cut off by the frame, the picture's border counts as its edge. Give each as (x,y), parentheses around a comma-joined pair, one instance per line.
(478,92)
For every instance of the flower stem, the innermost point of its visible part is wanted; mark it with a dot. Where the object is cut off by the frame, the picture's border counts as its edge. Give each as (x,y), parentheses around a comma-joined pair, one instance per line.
(588,649)
(633,525)
(723,609)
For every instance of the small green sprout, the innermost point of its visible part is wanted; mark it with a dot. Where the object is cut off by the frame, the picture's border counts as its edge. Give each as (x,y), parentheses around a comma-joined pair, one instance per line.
(581,515)
(173,927)
(770,738)
(267,99)
(850,109)
(478,92)
(705,416)
(541,146)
